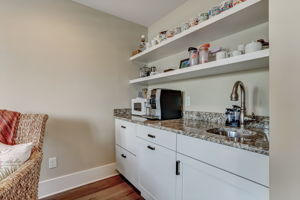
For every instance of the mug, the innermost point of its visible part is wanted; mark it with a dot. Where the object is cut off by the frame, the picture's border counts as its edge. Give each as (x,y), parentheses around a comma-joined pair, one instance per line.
(241,48)
(203,17)
(235,53)
(185,26)
(214,11)
(253,46)
(177,30)
(153,71)
(226,4)
(148,45)
(153,42)
(170,34)
(236,2)
(221,55)
(163,35)
(194,22)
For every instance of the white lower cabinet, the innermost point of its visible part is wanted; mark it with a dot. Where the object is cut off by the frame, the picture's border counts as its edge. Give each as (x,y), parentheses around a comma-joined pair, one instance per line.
(125,134)
(157,166)
(166,166)
(200,181)
(127,165)
(250,165)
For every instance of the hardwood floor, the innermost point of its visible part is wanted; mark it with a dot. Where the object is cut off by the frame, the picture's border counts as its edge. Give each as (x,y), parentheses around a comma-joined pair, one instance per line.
(114,188)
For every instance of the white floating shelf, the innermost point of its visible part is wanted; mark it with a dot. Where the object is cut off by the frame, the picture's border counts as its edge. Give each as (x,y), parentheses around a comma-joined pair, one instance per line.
(259,59)
(238,18)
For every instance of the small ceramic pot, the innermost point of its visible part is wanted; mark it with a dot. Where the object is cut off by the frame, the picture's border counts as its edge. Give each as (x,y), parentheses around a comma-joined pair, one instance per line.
(170,34)
(214,11)
(194,22)
(236,2)
(221,55)
(153,71)
(154,42)
(148,45)
(185,26)
(235,53)
(241,48)
(203,17)
(163,35)
(253,46)
(177,30)
(225,5)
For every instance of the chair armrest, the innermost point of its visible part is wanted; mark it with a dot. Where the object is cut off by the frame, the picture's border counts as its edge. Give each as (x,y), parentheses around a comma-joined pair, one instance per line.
(23,183)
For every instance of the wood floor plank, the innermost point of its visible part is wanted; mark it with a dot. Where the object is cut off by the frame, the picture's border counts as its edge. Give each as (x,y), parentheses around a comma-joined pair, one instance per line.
(109,193)
(114,188)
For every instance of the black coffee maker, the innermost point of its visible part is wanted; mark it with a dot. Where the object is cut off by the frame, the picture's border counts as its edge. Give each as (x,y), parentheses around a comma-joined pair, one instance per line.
(164,104)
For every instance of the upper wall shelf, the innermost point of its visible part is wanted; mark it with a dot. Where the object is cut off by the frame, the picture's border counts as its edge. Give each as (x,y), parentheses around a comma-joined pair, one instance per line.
(238,18)
(255,60)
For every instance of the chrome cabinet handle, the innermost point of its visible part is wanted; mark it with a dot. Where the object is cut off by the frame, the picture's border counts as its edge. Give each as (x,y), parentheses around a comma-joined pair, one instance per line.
(151,148)
(151,136)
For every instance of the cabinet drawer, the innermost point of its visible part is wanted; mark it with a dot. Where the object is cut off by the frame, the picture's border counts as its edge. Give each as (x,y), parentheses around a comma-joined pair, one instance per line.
(252,166)
(126,135)
(127,165)
(157,136)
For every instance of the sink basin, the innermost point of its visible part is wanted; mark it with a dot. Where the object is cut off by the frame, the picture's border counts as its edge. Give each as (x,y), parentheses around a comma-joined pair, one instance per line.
(236,134)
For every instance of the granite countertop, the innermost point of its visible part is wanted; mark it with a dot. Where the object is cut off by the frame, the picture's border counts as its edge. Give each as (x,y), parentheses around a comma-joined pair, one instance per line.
(197,129)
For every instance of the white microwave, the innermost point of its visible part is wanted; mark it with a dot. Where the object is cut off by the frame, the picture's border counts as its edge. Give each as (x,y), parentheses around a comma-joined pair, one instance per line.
(138,106)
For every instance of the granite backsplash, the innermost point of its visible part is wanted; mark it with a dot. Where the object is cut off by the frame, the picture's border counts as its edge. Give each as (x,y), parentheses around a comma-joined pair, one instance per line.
(261,122)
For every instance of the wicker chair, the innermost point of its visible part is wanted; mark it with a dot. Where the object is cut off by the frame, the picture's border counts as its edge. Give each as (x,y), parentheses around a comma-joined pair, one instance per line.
(23,184)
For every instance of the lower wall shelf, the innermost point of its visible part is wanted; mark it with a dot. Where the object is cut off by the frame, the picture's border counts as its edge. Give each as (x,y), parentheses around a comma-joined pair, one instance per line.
(259,59)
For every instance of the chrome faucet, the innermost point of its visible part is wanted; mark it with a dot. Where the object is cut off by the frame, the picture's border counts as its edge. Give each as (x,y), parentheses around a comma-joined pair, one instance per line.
(235,97)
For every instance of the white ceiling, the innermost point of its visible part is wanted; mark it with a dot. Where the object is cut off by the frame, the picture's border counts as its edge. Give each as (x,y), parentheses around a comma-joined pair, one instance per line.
(144,12)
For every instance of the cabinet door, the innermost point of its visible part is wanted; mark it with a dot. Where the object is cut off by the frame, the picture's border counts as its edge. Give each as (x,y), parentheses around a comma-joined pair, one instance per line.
(126,135)
(127,165)
(198,180)
(250,165)
(157,167)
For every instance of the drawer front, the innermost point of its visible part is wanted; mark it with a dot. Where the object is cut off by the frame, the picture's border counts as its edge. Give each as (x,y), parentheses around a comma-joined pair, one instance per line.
(127,165)
(157,136)
(252,166)
(126,135)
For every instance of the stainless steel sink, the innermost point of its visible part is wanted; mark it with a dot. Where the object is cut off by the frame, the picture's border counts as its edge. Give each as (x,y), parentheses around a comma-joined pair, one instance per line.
(236,134)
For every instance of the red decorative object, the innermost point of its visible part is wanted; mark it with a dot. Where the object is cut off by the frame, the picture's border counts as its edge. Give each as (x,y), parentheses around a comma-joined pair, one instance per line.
(8,126)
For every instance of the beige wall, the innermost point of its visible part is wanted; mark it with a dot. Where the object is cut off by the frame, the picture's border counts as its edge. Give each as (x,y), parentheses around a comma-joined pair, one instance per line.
(285,99)
(212,93)
(69,61)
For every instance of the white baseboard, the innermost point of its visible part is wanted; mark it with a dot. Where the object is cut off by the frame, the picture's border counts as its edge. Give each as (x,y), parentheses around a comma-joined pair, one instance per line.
(67,182)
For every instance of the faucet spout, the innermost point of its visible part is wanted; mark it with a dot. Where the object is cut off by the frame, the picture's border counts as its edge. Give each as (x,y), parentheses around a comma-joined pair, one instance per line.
(235,97)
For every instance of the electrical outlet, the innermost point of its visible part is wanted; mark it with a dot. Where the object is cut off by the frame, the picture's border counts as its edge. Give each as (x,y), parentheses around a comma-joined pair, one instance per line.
(187,101)
(52,163)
